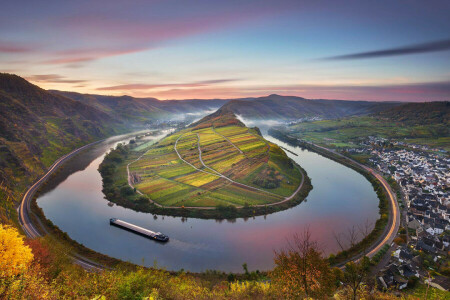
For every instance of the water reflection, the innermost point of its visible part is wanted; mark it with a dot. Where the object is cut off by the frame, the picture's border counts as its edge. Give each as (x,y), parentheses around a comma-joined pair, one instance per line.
(341,198)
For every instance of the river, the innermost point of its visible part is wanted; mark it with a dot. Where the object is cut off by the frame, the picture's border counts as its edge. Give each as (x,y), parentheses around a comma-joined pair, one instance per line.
(341,198)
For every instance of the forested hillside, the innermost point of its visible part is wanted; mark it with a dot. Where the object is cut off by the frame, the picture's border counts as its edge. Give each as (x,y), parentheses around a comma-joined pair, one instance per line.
(419,113)
(278,107)
(36,127)
(131,109)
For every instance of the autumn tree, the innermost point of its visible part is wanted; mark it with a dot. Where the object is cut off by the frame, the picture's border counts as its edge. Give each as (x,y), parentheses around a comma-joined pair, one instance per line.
(354,274)
(15,257)
(300,270)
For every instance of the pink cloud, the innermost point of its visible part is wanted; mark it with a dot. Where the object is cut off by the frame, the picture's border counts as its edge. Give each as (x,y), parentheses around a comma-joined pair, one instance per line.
(55,78)
(9,47)
(74,56)
(139,86)
(109,35)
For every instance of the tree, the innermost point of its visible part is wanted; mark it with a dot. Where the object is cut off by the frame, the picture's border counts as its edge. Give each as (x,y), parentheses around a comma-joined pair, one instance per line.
(15,257)
(352,236)
(301,271)
(41,253)
(354,274)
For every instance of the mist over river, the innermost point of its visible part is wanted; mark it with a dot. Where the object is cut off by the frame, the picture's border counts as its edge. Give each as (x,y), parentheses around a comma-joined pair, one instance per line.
(341,198)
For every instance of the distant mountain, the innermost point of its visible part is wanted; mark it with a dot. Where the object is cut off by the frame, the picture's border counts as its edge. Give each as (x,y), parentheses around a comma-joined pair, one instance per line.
(140,109)
(419,113)
(36,127)
(278,107)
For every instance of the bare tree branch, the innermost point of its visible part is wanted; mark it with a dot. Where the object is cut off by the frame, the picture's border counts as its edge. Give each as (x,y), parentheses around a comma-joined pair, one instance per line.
(339,240)
(352,236)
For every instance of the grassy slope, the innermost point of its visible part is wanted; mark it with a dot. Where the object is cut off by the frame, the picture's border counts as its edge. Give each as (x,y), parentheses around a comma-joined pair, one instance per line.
(169,181)
(347,132)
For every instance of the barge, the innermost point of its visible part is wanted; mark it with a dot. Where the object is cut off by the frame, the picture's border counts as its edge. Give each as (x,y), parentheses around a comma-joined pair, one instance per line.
(157,236)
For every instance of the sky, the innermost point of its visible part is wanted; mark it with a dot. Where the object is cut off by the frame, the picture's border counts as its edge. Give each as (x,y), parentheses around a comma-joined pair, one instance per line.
(202,49)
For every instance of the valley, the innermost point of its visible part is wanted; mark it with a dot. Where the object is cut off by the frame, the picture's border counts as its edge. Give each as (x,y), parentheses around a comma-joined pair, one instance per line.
(425,124)
(174,150)
(205,172)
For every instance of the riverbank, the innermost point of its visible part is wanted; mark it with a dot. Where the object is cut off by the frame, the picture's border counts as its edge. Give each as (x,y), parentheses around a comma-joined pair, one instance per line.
(116,188)
(374,241)
(34,223)
(189,236)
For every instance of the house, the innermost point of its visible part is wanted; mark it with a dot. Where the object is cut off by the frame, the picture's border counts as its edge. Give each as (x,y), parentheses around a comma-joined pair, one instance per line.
(438,228)
(421,245)
(400,282)
(391,276)
(429,229)
(413,223)
(405,255)
(407,270)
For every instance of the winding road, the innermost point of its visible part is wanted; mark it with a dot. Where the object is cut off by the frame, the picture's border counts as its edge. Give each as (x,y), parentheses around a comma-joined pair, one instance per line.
(31,231)
(394,216)
(24,209)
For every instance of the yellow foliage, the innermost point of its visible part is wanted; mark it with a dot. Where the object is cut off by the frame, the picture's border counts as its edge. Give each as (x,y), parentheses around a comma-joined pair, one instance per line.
(15,257)
(241,287)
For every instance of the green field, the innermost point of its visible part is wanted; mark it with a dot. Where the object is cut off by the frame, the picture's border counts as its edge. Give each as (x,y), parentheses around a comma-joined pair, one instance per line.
(349,132)
(219,162)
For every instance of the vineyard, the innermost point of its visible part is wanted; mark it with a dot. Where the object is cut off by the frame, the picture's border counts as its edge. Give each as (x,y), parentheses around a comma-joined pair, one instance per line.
(215,162)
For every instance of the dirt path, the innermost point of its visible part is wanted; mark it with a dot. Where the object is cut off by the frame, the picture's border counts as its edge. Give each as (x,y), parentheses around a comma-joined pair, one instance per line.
(214,174)
(240,151)
(217,173)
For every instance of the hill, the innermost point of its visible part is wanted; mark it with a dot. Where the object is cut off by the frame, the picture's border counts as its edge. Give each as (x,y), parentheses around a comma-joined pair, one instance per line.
(215,162)
(36,127)
(278,107)
(419,113)
(131,109)
(411,123)
(274,107)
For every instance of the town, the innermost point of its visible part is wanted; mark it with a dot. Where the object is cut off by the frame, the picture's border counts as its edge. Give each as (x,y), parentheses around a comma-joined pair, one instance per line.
(420,176)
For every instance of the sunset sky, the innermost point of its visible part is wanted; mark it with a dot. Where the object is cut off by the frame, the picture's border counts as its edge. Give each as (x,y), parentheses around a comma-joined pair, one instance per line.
(360,50)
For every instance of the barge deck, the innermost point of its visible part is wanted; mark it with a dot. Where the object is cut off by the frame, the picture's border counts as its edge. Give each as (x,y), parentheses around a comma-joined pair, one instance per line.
(158,236)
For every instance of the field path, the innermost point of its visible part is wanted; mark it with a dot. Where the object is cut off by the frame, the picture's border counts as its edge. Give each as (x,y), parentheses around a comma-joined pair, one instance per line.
(240,151)
(285,199)
(200,157)
(217,173)
(201,160)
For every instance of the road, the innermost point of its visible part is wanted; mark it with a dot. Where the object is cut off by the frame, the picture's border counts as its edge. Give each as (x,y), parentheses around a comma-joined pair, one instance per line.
(394,217)
(24,209)
(31,231)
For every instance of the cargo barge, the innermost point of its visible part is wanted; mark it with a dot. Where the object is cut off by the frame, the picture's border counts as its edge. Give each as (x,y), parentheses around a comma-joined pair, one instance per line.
(157,236)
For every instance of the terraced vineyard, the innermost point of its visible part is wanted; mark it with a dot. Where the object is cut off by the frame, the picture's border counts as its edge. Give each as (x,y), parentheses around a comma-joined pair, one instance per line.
(217,161)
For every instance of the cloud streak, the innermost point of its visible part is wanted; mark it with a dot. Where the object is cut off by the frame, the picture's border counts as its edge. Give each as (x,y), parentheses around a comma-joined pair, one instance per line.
(140,86)
(442,45)
(119,33)
(54,78)
(9,47)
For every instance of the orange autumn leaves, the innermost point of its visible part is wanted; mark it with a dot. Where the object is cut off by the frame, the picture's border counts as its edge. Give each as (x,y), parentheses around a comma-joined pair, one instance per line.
(301,272)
